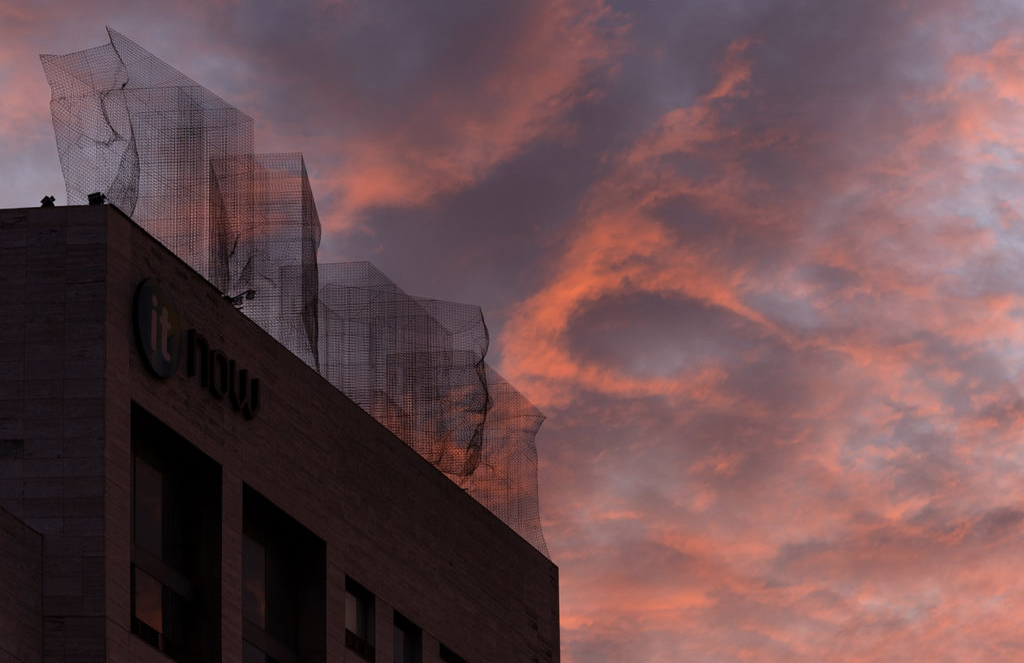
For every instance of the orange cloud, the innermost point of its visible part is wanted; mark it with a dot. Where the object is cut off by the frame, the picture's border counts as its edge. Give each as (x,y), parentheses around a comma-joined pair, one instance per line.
(524,98)
(842,485)
(622,247)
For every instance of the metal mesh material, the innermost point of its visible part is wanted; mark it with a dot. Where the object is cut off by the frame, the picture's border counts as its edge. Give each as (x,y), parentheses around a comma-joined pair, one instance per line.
(142,133)
(264,234)
(180,161)
(506,481)
(403,365)
(417,365)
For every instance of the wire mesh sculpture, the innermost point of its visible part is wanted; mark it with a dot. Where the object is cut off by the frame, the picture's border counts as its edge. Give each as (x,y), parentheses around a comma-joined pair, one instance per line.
(179,160)
(137,130)
(264,234)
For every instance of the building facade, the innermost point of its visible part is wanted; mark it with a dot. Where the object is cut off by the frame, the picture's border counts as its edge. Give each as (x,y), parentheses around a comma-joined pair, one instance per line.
(176,485)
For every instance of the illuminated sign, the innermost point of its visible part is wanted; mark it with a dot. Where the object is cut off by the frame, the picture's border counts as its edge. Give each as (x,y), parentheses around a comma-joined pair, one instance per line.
(162,340)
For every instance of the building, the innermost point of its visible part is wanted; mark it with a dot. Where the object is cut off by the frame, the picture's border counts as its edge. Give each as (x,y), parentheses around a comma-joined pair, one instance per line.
(180,162)
(175,484)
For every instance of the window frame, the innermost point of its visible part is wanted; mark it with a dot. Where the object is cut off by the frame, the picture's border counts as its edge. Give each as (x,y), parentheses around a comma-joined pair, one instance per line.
(360,643)
(412,638)
(186,568)
(294,583)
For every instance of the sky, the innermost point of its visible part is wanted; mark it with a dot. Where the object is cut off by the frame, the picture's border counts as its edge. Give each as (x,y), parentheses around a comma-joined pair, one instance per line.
(760,263)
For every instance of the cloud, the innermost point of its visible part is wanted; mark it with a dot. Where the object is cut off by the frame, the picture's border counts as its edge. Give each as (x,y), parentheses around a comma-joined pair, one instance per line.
(795,298)
(760,263)
(393,104)
(423,100)
(623,247)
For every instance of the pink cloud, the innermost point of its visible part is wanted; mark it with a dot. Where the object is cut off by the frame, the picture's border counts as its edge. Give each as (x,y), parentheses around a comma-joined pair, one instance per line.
(780,338)
(621,247)
(829,484)
(467,127)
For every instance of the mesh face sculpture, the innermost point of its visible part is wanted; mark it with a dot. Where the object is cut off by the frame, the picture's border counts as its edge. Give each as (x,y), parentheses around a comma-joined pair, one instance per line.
(180,161)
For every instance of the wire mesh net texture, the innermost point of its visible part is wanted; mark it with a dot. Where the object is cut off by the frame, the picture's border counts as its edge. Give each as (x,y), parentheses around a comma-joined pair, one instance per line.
(179,160)
(403,365)
(264,235)
(137,130)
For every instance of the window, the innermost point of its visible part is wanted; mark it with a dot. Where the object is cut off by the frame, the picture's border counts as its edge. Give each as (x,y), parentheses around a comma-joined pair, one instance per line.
(254,582)
(175,553)
(283,586)
(359,632)
(407,641)
(448,656)
(253,654)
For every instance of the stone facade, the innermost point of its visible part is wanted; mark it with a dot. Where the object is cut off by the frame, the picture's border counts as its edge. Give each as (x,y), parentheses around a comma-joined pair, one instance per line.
(72,376)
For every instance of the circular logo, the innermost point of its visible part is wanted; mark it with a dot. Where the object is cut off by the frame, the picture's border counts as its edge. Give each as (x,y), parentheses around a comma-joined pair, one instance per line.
(158,328)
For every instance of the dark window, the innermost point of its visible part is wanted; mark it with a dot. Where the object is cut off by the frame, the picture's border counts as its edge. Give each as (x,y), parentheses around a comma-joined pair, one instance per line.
(175,517)
(407,641)
(149,507)
(149,602)
(359,632)
(448,656)
(254,582)
(283,585)
(253,654)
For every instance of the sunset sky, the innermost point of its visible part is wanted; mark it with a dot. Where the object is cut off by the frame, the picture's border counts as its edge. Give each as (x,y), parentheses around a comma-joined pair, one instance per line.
(761,263)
